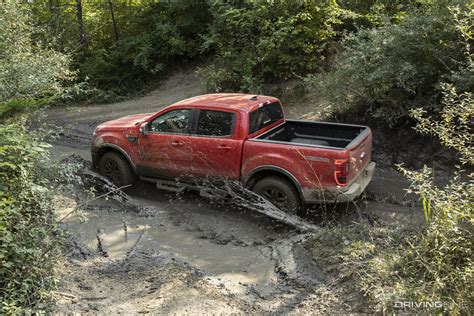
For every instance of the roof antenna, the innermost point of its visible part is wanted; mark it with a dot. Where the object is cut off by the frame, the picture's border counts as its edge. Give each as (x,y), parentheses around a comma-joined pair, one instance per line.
(254,98)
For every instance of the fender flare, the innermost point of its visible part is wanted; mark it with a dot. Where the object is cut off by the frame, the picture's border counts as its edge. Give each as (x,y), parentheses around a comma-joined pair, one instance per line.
(277,169)
(118,148)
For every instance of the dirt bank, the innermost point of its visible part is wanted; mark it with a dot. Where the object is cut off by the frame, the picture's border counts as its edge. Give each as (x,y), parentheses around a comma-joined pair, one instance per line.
(185,254)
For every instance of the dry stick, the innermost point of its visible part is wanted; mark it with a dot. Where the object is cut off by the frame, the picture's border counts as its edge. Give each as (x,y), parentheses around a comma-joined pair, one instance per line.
(68,295)
(100,243)
(95,198)
(132,250)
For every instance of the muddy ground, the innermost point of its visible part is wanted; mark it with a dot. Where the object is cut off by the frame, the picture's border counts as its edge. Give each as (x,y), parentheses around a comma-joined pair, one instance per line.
(187,254)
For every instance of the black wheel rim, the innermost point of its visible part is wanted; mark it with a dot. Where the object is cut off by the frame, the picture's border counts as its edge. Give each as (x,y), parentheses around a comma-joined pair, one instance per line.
(112,171)
(277,197)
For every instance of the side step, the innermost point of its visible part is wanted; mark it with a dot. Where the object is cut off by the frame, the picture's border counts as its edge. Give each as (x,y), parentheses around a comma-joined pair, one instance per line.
(170,186)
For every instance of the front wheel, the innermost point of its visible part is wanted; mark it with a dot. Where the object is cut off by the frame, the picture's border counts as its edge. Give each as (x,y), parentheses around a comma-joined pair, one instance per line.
(117,169)
(279,192)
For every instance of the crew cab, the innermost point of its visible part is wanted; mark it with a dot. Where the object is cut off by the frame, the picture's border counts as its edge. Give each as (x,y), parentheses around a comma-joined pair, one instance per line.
(238,137)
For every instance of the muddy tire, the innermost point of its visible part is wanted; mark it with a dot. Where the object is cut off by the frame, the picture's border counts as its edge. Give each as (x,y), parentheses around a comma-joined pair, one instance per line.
(117,169)
(280,192)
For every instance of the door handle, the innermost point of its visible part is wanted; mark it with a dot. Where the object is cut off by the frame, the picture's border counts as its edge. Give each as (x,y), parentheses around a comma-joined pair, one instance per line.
(177,143)
(224,148)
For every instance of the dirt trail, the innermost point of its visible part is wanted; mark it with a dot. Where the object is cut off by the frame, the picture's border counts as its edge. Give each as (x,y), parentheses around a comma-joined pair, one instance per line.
(186,254)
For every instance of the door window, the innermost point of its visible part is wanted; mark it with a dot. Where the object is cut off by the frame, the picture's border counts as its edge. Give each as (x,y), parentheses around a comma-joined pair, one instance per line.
(176,122)
(215,123)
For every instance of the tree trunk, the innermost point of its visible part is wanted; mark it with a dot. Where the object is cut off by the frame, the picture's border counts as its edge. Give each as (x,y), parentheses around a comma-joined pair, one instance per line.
(82,34)
(114,23)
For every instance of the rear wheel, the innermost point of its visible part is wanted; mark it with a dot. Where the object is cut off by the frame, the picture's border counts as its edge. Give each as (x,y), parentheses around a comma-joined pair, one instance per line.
(279,192)
(116,168)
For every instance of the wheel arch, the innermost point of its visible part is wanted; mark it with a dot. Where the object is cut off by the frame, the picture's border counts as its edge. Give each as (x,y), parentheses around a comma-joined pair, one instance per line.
(106,148)
(266,171)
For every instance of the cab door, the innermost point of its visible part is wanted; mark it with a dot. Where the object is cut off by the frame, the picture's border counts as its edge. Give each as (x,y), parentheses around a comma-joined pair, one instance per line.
(164,147)
(216,148)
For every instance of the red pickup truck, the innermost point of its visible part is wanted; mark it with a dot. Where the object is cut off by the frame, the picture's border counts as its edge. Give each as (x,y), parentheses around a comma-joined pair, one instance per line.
(238,137)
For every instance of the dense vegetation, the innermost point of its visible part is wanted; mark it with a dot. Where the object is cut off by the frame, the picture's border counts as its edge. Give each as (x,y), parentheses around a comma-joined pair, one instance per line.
(379,56)
(30,72)
(30,75)
(386,71)
(376,58)
(29,244)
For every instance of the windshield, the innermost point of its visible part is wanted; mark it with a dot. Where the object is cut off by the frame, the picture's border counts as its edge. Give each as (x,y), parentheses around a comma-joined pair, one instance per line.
(265,115)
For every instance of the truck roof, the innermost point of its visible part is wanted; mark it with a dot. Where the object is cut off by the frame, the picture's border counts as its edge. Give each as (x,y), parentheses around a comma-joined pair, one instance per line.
(237,101)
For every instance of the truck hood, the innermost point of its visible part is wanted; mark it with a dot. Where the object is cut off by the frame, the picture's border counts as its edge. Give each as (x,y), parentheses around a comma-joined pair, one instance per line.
(124,122)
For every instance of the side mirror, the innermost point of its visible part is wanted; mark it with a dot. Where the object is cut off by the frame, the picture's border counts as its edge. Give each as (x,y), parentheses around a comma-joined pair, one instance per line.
(144,128)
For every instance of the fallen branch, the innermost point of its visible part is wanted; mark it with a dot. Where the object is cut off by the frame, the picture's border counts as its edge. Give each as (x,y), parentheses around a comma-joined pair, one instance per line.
(243,197)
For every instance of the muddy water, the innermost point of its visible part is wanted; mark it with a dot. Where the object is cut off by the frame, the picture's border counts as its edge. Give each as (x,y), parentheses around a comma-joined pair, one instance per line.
(121,232)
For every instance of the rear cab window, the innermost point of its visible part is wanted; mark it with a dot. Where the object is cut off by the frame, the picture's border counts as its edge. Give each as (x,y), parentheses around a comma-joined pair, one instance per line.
(265,115)
(215,123)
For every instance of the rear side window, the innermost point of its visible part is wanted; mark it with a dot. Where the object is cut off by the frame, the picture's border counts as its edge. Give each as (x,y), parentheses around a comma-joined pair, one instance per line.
(264,116)
(215,123)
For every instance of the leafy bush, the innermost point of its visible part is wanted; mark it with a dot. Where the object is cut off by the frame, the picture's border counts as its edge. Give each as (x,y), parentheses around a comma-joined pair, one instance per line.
(30,73)
(29,241)
(152,37)
(257,41)
(388,70)
(248,42)
(15,106)
(442,256)
(27,69)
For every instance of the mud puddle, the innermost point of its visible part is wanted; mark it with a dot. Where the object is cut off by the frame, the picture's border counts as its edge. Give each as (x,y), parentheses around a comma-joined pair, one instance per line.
(120,233)
(177,256)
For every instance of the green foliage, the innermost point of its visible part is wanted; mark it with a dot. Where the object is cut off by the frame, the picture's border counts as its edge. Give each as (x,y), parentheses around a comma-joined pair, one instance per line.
(30,73)
(15,106)
(27,69)
(258,41)
(454,130)
(386,71)
(248,43)
(29,241)
(150,36)
(392,264)
(443,254)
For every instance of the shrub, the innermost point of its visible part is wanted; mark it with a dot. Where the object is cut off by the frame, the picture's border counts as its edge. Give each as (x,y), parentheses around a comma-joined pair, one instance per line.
(152,37)
(441,258)
(257,41)
(433,265)
(27,69)
(29,241)
(388,70)
(15,106)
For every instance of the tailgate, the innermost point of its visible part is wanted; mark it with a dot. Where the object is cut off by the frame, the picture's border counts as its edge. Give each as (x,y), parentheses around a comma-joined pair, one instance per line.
(360,153)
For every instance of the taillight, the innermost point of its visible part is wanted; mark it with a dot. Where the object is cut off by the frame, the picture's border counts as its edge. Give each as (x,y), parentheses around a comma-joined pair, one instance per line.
(341,168)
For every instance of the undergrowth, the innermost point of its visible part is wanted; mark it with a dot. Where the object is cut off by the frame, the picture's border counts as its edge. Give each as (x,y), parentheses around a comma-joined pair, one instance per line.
(30,239)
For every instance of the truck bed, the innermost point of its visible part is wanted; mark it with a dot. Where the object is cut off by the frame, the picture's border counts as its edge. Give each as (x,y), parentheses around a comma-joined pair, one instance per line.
(333,135)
